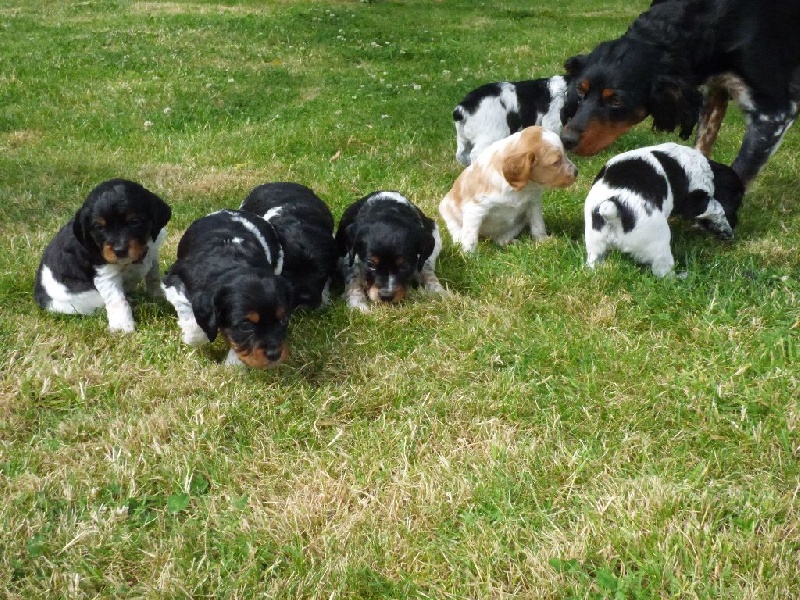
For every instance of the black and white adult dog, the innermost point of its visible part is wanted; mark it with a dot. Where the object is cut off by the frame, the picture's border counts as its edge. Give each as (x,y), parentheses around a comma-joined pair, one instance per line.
(385,245)
(635,192)
(496,110)
(227,279)
(304,225)
(104,251)
(745,49)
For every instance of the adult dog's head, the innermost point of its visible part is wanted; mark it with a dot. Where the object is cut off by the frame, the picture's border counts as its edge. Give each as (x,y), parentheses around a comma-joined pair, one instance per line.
(250,308)
(645,72)
(118,219)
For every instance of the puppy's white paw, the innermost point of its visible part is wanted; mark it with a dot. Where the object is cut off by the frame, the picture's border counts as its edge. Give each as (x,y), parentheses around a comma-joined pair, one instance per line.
(360,305)
(193,335)
(232,360)
(123,326)
(120,318)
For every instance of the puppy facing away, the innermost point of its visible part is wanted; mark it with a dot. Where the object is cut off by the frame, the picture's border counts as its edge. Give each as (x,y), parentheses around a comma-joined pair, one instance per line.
(104,251)
(226,280)
(386,244)
(501,192)
(496,110)
(304,225)
(635,192)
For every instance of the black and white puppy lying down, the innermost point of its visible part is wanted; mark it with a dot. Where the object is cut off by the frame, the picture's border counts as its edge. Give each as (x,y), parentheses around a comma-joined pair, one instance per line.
(386,244)
(496,110)
(635,192)
(104,251)
(304,225)
(227,279)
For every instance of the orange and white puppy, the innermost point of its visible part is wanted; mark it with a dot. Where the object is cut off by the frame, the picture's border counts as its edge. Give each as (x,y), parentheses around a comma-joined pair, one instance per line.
(501,191)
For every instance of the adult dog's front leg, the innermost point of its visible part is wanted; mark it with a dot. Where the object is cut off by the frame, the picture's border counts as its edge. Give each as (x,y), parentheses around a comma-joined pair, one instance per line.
(761,139)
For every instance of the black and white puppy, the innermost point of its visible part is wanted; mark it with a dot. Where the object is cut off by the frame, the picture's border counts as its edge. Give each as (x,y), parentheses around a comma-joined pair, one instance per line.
(496,110)
(104,251)
(227,279)
(304,225)
(386,244)
(635,192)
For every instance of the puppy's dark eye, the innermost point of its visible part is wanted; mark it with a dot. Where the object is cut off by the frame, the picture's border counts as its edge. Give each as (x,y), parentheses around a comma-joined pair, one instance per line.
(371,265)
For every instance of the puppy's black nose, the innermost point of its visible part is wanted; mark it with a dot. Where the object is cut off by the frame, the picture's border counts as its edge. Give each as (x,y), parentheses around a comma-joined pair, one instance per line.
(387,297)
(120,251)
(570,138)
(274,354)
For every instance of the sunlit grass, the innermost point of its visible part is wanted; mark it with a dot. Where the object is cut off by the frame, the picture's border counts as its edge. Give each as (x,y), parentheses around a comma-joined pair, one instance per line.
(541,432)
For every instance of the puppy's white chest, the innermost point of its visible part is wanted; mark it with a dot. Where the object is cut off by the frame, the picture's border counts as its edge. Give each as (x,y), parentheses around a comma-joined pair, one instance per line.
(501,214)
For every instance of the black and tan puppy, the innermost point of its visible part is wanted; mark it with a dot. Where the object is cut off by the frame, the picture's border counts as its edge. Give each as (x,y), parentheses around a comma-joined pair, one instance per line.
(104,251)
(304,225)
(385,245)
(227,279)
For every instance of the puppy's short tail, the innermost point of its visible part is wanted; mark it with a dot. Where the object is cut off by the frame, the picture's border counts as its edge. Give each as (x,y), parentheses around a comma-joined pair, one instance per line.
(608,209)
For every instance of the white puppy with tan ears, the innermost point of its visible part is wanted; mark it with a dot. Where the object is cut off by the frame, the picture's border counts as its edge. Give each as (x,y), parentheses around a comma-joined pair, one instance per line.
(501,191)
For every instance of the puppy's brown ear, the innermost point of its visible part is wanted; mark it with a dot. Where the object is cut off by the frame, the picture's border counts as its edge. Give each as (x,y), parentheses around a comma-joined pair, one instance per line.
(517,168)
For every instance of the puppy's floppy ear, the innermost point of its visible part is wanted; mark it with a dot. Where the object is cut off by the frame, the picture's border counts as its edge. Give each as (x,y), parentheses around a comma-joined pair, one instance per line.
(82,227)
(574,65)
(351,232)
(160,214)
(517,166)
(674,103)
(205,314)
(426,243)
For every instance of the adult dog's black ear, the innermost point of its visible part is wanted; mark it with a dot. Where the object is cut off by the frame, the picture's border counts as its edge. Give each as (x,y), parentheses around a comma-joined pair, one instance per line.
(206,315)
(675,104)
(160,214)
(574,65)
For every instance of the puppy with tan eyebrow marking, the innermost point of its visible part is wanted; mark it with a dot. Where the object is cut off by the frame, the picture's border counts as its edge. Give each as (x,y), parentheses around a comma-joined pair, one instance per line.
(386,244)
(501,192)
(227,280)
(103,252)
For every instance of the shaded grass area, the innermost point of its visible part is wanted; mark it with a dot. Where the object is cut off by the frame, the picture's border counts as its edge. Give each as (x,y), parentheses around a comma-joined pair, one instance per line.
(542,431)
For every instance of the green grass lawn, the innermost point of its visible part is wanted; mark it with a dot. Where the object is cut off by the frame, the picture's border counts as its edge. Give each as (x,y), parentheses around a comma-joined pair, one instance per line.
(541,432)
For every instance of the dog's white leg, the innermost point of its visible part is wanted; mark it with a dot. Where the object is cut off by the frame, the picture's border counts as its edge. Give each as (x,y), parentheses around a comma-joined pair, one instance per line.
(463,146)
(472,218)
(428,279)
(193,334)
(233,360)
(109,284)
(427,275)
(594,259)
(354,288)
(596,246)
(536,217)
(662,265)
(451,220)
(326,293)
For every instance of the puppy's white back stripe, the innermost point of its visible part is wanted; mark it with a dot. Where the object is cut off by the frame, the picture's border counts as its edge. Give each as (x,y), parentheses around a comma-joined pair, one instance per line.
(254,230)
